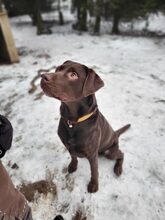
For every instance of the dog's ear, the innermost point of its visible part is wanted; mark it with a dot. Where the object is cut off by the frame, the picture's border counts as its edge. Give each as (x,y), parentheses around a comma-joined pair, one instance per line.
(92,83)
(68,61)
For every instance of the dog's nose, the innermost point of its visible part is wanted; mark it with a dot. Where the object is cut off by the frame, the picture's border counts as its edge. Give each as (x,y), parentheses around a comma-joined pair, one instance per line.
(46,77)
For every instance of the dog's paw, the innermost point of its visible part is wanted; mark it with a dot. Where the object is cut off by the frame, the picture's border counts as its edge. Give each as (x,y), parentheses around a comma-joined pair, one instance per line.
(118,169)
(93,187)
(72,168)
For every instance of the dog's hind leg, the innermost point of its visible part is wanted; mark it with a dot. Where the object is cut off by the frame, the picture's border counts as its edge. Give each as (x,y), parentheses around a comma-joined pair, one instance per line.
(114,153)
(118,168)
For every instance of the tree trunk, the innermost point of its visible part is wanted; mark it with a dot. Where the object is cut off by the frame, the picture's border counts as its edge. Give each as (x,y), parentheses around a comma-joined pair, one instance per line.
(34,19)
(97,24)
(98,16)
(60,14)
(106,11)
(83,16)
(35,12)
(40,25)
(81,23)
(116,20)
(91,5)
(61,18)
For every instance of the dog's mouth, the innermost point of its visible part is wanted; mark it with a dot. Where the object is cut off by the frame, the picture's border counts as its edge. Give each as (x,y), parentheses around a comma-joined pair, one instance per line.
(49,90)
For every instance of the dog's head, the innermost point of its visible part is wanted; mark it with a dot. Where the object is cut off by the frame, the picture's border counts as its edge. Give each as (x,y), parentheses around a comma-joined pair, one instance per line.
(70,81)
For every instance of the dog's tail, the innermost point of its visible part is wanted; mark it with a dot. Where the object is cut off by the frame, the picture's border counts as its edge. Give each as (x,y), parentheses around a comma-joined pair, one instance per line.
(122,130)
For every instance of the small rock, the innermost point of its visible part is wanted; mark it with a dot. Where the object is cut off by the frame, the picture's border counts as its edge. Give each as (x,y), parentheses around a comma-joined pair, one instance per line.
(15,166)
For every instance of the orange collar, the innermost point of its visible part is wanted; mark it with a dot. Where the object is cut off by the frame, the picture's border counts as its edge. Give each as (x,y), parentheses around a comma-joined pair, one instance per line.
(85,117)
(81,119)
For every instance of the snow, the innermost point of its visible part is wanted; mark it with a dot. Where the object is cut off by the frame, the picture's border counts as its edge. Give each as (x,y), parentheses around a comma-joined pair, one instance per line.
(133,72)
(152,23)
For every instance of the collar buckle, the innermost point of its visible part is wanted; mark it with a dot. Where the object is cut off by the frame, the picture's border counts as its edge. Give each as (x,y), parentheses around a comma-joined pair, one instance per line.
(70,124)
(81,119)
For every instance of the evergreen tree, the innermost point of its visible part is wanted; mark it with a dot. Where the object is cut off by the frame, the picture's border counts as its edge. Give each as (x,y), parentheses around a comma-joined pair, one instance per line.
(81,8)
(155,5)
(125,9)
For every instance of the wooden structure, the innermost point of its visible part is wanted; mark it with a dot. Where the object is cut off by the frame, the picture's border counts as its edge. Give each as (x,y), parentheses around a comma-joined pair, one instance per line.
(8,52)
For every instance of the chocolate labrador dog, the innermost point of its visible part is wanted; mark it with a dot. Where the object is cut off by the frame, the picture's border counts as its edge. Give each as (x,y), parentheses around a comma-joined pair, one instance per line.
(83,129)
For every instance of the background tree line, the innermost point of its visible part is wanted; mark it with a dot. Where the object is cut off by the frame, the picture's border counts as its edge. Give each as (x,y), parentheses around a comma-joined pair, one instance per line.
(98,10)
(115,10)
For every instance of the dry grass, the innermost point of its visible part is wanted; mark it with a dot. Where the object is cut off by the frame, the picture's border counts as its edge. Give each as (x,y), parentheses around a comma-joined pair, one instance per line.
(79,215)
(42,187)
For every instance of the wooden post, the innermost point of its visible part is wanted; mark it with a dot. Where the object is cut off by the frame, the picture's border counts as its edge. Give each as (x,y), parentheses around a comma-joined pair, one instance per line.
(8,50)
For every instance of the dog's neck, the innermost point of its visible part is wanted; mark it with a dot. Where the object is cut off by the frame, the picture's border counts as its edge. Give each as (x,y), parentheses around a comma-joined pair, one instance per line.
(74,110)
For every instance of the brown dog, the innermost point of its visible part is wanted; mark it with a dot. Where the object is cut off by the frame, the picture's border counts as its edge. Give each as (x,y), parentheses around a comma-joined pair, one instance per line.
(83,129)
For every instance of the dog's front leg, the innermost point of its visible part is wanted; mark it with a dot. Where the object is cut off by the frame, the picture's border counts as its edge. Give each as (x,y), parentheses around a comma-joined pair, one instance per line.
(73,164)
(93,184)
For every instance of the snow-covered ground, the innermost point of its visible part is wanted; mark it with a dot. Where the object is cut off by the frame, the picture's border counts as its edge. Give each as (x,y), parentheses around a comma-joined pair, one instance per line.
(134,73)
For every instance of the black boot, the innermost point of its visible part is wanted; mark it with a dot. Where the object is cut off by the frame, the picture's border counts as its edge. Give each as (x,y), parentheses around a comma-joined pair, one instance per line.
(58,217)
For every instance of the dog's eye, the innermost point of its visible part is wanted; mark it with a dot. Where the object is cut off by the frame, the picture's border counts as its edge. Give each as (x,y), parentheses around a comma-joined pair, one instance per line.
(72,76)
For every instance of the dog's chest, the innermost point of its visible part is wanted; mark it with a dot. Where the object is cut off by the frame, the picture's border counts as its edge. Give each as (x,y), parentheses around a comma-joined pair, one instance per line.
(75,140)
(76,143)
